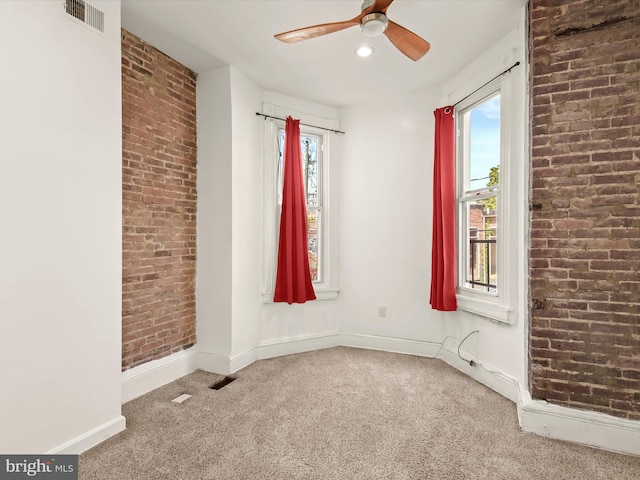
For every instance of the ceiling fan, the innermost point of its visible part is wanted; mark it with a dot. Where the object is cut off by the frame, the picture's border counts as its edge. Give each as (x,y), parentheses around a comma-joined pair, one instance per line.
(373,21)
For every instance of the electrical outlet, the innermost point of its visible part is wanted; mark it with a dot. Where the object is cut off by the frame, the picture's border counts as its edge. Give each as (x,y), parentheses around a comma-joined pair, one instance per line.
(382,311)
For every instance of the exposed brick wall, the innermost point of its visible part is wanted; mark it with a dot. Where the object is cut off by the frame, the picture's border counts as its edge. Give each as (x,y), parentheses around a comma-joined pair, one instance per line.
(158,203)
(585,204)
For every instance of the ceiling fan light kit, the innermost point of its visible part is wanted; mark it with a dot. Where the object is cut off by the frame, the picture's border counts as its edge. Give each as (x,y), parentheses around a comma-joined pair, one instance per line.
(373,21)
(374,24)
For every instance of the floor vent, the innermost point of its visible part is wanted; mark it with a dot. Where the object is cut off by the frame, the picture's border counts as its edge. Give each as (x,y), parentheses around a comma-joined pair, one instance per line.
(222,383)
(86,13)
(181,398)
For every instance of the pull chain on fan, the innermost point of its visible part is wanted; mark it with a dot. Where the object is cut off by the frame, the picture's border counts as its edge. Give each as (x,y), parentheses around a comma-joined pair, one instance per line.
(373,21)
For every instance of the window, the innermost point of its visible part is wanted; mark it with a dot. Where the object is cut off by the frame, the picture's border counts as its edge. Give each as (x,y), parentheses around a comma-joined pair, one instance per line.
(316,146)
(484,228)
(311,147)
(478,195)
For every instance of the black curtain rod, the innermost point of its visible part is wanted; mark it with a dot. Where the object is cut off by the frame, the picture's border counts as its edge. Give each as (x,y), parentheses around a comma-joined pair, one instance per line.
(499,75)
(306,124)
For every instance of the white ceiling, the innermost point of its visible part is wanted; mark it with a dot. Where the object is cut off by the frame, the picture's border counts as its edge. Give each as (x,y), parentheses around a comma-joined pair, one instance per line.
(207,34)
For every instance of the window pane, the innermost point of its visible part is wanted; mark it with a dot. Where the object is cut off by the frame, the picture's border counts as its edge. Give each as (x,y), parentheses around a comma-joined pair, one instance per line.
(481,246)
(310,168)
(310,146)
(313,226)
(484,143)
(482,179)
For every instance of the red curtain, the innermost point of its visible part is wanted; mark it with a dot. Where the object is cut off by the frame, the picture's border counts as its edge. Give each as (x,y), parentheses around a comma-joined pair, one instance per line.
(443,253)
(293,278)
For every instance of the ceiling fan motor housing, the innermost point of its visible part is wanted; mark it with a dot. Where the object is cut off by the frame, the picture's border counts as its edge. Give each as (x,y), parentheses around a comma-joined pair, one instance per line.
(374,24)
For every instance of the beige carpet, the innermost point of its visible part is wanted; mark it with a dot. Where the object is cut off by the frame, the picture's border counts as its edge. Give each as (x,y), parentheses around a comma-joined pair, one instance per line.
(339,413)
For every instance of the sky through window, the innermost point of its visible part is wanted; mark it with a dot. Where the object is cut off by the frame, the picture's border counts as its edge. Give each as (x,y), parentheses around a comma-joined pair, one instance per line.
(484,142)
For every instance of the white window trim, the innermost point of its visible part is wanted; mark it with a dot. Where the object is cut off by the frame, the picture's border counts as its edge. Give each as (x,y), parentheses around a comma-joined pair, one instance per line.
(501,306)
(327,289)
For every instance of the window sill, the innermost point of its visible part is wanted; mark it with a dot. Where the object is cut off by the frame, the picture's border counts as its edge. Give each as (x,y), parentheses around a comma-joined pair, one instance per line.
(487,309)
(321,294)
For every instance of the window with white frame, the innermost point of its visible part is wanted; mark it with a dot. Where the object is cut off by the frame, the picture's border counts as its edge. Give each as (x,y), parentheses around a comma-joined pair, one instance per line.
(484,238)
(315,146)
(312,154)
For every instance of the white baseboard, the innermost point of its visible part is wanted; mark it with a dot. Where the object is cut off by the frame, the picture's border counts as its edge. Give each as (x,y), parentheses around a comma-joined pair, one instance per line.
(288,346)
(579,426)
(561,423)
(214,361)
(224,364)
(151,375)
(388,344)
(270,349)
(238,362)
(497,381)
(90,439)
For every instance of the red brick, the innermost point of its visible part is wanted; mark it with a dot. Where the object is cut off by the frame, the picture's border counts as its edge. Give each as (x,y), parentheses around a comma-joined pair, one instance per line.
(584,262)
(159,203)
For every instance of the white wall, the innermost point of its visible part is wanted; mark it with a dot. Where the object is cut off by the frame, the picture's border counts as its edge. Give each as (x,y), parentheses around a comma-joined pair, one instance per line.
(280,322)
(60,214)
(232,319)
(500,346)
(386,172)
(214,237)
(246,100)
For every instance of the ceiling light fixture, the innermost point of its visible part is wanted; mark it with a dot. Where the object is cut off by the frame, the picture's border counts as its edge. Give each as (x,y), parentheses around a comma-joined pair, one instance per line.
(364,51)
(374,24)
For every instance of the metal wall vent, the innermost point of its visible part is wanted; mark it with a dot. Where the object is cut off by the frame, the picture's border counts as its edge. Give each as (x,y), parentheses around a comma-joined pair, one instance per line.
(86,13)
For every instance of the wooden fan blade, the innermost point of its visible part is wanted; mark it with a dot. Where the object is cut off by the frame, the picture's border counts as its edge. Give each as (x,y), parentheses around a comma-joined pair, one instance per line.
(406,41)
(315,31)
(380,6)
